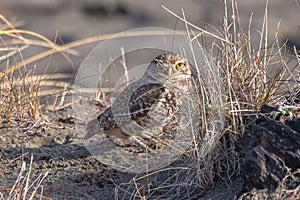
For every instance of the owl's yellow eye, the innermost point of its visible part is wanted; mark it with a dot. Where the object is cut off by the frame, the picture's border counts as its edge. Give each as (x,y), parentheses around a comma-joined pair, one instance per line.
(179,65)
(158,64)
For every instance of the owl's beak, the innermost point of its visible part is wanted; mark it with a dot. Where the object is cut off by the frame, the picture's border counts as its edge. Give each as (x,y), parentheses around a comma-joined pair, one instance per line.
(170,72)
(188,76)
(185,76)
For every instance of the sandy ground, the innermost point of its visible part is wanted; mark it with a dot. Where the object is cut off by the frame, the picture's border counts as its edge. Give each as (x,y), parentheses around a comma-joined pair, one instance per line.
(73,173)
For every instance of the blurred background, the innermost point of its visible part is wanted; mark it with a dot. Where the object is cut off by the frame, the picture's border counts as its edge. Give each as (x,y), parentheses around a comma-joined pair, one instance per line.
(70,20)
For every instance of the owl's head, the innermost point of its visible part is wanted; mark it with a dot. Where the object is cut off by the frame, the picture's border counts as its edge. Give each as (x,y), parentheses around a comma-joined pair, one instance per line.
(169,67)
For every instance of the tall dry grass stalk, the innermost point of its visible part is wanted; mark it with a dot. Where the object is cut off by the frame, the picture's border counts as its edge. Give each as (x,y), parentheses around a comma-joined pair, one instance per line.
(253,76)
(245,76)
(20,93)
(19,87)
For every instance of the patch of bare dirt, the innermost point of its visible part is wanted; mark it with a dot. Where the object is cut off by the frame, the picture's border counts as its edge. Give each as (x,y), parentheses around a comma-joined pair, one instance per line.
(269,152)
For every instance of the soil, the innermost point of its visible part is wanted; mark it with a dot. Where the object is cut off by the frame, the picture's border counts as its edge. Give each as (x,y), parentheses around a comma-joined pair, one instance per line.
(269,155)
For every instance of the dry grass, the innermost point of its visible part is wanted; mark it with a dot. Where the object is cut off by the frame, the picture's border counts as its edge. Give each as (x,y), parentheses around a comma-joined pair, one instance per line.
(20,93)
(25,187)
(253,76)
(19,87)
(244,78)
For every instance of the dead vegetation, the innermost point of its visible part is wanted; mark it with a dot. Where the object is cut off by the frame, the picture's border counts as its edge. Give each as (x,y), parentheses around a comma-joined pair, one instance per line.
(248,75)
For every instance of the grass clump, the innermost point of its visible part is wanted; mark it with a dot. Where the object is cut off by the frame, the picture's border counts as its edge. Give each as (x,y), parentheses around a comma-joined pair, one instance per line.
(248,73)
(19,95)
(253,76)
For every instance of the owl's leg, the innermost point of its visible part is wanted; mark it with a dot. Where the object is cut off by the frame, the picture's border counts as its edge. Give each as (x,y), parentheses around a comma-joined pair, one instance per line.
(144,144)
(151,141)
(134,144)
(168,132)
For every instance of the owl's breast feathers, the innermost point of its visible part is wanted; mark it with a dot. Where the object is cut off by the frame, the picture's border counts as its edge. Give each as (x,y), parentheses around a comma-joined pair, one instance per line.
(150,98)
(150,105)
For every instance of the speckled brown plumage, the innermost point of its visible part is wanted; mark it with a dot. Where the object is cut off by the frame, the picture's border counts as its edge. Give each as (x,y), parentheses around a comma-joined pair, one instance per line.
(145,114)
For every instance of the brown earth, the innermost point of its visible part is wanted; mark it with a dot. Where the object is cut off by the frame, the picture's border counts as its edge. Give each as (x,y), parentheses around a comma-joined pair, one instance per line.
(269,154)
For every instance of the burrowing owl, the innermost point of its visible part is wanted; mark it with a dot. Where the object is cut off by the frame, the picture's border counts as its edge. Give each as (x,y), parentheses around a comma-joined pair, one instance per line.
(145,114)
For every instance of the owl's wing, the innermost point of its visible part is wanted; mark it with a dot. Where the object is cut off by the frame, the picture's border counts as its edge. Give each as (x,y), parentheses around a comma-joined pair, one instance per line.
(152,106)
(105,121)
(143,98)
(140,102)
